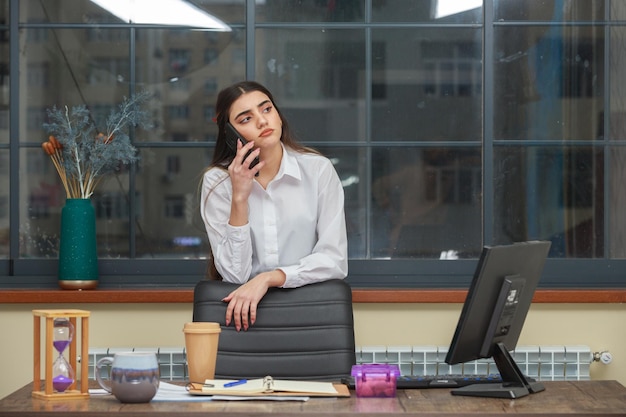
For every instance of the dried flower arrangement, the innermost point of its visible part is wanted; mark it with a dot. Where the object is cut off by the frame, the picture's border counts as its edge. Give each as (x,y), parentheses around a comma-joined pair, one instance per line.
(80,155)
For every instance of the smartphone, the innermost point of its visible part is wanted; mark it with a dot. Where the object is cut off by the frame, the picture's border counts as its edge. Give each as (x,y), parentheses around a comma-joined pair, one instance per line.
(231,139)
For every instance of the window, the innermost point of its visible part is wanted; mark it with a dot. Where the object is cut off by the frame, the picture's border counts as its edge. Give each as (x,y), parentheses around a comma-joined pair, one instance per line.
(38,75)
(178,112)
(209,113)
(210,56)
(180,137)
(38,206)
(173,165)
(110,205)
(179,60)
(4,207)
(35,118)
(453,68)
(4,121)
(174,206)
(210,87)
(497,124)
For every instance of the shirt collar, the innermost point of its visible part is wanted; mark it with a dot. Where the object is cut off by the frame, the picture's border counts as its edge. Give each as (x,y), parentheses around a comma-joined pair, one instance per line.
(289,165)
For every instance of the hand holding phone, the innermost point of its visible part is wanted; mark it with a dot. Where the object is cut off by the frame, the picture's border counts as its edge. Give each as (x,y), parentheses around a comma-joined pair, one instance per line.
(231,140)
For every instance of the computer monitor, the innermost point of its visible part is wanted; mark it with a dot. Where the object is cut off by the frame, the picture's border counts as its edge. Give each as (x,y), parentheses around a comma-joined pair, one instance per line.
(493,315)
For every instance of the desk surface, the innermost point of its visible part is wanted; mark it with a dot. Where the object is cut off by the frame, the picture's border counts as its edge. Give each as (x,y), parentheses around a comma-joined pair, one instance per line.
(574,398)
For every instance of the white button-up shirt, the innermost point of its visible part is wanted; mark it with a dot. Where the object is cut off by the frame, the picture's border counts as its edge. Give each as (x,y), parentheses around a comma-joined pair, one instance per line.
(296,225)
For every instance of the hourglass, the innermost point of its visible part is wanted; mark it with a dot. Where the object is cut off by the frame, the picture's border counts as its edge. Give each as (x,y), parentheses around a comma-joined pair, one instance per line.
(60,373)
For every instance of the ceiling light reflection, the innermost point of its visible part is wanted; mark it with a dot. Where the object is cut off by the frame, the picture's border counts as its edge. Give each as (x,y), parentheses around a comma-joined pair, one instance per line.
(445,8)
(163,12)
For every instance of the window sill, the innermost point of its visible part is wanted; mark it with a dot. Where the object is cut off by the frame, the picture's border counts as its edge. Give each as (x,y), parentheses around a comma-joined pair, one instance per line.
(185,295)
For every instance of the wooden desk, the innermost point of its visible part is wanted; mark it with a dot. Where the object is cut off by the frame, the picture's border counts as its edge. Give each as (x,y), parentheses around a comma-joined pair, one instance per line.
(579,398)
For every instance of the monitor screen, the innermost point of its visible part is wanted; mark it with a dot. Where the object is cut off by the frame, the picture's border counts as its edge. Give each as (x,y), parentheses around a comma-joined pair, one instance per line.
(493,315)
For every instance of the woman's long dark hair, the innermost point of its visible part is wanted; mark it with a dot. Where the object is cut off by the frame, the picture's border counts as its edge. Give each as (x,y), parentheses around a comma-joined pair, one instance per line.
(223,155)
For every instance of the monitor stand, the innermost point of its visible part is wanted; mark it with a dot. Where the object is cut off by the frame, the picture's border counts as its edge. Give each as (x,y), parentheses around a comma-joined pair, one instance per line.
(514,383)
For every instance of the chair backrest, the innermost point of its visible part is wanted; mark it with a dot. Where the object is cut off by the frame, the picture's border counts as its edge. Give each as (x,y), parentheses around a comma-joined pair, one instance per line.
(300,333)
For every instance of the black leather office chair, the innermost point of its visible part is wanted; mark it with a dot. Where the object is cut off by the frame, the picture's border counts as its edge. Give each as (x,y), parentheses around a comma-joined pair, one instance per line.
(300,333)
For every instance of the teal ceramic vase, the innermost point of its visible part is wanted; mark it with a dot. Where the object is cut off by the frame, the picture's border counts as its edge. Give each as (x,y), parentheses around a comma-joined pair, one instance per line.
(78,256)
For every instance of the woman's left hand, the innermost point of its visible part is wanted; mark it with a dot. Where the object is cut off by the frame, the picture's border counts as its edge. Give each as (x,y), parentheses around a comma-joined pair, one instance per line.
(243,302)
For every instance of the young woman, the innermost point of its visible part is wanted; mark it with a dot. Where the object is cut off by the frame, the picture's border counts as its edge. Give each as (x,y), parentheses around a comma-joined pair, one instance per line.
(278,223)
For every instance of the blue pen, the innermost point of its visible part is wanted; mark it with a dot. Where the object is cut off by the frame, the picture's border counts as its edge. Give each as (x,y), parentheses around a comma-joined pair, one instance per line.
(235,383)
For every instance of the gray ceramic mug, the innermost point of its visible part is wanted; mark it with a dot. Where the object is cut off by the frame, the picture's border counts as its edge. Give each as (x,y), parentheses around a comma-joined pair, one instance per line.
(133,376)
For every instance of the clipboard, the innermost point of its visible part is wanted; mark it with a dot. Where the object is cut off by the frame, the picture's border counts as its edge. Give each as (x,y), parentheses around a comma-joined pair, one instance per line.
(269,386)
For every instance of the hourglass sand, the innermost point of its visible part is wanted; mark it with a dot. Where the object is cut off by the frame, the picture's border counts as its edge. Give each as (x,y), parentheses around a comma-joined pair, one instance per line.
(60,373)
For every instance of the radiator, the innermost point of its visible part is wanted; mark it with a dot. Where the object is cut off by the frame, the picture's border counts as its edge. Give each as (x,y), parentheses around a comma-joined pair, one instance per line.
(544,363)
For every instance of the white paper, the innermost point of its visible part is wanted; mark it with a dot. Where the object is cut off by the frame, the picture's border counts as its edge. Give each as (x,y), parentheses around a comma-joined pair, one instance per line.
(173,392)
(257,397)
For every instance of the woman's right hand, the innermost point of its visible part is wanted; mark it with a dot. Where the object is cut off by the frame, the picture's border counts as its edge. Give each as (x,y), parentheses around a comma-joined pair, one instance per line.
(242,177)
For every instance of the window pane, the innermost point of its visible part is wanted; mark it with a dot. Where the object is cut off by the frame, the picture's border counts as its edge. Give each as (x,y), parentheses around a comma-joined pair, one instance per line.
(617,132)
(618,10)
(427,84)
(440,12)
(5,165)
(317,79)
(310,11)
(617,120)
(351,167)
(551,193)
(617,190)
(40,209)
(44,198)
(549,82)
(4,84)
(426,201)
(168,222)
(62,68)
(4,72)
(550,10)
(186,69)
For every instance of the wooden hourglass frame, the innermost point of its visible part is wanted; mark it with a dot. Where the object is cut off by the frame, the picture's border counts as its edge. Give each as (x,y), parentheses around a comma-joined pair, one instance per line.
(71,393)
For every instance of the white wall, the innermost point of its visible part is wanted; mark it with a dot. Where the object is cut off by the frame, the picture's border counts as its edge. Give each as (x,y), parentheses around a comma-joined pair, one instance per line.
(600,326)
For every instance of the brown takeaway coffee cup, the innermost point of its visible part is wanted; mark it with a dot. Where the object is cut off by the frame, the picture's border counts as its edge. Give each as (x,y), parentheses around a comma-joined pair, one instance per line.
(201,340)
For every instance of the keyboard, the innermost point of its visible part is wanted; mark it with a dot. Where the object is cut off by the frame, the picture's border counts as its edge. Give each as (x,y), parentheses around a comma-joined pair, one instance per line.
(437,381)
(444,381)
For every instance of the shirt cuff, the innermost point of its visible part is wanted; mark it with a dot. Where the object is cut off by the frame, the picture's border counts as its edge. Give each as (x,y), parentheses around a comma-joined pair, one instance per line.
(238,233)
(291,276)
